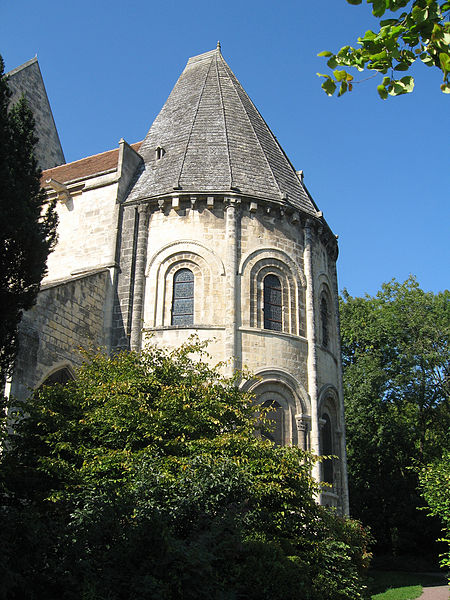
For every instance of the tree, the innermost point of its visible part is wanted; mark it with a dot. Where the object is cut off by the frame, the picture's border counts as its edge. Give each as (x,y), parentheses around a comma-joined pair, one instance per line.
(435,488)
(28,223)
(396,389)
(419,33)
(143,479)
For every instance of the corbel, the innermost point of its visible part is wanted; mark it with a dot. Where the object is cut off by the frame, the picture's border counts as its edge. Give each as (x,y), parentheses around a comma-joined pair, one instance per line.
(62,191)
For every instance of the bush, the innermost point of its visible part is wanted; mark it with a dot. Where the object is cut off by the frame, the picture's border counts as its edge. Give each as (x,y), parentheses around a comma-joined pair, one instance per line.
(147,481)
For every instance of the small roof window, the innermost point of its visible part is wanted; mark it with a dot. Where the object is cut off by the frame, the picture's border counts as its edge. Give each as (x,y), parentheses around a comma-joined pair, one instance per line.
(159,152)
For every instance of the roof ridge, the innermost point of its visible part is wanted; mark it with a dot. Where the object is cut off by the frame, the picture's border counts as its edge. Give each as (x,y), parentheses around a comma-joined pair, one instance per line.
(26,64)
(224,121)
(237,84)
(192,125)
(251,124)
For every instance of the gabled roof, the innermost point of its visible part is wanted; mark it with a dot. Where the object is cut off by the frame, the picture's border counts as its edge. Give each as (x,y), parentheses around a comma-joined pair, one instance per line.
(86,167)
(27,79)
(213,139)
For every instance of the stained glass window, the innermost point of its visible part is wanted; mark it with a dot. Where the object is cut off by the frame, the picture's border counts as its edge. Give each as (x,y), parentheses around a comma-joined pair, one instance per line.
(272,303)
(183,298)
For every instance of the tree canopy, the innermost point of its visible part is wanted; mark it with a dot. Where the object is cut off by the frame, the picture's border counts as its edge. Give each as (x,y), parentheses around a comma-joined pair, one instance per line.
(144,478)
(434,481)
(396,388)
(28,223)
(421,32)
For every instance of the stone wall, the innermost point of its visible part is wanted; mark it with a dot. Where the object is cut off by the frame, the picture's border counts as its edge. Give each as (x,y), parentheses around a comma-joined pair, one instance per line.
(66,316)
(87,229)
(193,232)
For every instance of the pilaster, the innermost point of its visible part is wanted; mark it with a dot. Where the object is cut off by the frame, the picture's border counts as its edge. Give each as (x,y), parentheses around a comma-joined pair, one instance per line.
(232,235)
(139,278)
(312,351)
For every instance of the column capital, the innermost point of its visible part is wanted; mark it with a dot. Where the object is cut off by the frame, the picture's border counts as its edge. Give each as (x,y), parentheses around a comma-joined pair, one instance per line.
(142,209)
(231,202)
(302,422)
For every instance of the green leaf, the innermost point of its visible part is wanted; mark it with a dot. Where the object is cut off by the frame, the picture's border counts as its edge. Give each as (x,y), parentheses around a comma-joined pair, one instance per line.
(401,67)
(386,81)
(340,75)
(445,88)
(332,62)
(427,59)
(343,88)
(397,88)
(382,92)
(354,2)
(325,53)
(419,14)
(379,7)
(369,35)
(444,59)
(329,86)
(408,82)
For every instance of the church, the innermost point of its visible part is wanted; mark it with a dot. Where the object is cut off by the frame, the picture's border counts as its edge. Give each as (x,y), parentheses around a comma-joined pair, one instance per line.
(203,228)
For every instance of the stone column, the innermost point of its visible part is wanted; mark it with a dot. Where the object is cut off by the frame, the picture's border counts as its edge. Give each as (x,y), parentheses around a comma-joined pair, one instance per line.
(342,448)
(139,278)
(312,350)
(231,266)
(302,428)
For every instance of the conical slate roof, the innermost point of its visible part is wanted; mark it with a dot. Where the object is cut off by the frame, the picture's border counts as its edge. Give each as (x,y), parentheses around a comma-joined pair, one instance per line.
(214,140)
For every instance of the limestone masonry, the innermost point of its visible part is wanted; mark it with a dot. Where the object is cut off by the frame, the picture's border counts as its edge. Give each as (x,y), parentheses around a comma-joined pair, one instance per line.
(204,227)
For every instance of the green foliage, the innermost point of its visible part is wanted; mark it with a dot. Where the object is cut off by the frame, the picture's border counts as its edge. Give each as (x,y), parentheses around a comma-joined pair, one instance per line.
(28,224)
(143,478)
(420,33)
(396,388)
(435,488)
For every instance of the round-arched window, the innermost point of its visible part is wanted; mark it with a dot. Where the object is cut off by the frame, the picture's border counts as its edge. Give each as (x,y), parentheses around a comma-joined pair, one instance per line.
(275,417)
(273,305)
(327,449)
(324,322)
(183,297)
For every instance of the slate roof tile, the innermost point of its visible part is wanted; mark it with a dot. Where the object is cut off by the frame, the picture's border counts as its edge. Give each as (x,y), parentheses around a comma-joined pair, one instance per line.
(215,139)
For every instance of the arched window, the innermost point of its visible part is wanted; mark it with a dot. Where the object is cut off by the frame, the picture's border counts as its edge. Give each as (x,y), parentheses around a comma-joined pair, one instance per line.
(183,298)
(327,449)
(61,377)
(275,417)
(273,305)
(324,322)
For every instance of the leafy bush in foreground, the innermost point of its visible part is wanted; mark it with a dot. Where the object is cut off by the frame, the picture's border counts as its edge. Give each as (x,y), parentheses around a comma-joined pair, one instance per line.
(143,479)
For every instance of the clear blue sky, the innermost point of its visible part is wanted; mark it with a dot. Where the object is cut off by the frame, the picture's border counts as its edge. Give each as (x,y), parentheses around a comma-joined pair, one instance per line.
(379,170)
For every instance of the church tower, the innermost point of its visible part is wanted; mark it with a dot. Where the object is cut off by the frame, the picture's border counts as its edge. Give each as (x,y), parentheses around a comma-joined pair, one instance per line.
(205,227)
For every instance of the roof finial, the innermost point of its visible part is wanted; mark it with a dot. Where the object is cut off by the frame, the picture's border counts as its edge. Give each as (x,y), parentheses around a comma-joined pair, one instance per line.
(218,46)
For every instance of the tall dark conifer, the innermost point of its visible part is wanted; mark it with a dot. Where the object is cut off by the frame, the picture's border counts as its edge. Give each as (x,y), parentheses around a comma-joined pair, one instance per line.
(27,221)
